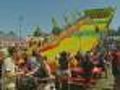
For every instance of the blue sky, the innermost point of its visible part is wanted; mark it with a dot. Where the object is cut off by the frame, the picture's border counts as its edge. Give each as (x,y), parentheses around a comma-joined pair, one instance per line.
(40,12)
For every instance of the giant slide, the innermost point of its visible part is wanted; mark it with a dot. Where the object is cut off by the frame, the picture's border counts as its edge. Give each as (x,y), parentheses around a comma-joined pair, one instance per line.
(81,35)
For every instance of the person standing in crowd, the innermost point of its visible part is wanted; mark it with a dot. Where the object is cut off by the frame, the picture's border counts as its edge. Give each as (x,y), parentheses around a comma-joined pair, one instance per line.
(10,70)
(116,68)
(26,81)
(43,74)
(87,65)
(63,62)
(78,57)
(2,56)
(73,63)
(63,70)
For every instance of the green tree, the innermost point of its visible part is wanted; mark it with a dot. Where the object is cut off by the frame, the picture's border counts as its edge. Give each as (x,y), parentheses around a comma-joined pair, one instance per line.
(11,33)
(67,20)
(2,33)
(118,32)
(56,30)
(37,32)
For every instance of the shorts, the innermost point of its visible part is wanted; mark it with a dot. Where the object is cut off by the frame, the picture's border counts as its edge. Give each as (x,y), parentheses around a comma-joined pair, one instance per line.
(61,73)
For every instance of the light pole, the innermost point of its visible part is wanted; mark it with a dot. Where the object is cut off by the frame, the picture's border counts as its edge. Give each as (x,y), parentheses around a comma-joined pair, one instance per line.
(20,28)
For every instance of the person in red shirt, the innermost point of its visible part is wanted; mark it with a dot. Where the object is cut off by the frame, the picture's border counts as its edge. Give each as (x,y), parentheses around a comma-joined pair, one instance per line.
(116,68)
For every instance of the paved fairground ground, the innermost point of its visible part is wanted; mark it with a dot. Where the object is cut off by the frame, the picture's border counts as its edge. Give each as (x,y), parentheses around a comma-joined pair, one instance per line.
(105,83)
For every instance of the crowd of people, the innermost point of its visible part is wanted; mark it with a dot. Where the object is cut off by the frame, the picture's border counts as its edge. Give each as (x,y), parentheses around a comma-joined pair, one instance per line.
(20,70)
